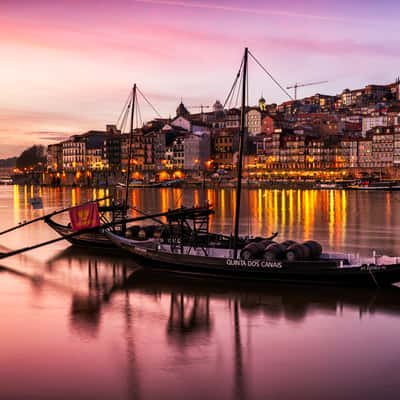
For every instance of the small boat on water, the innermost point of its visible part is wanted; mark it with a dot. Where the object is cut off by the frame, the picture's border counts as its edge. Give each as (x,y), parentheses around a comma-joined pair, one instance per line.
(6,181)
(135,184)
(327,185)
(376,185)
(337,184)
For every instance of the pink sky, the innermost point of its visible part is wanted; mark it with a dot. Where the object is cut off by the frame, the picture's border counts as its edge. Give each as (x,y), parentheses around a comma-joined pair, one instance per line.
(67,65)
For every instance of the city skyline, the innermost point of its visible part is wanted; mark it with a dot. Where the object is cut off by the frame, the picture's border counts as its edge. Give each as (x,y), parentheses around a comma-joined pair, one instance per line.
(68,68)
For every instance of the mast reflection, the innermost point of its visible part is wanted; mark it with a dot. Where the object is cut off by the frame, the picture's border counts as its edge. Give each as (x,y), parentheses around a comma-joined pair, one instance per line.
(188,316)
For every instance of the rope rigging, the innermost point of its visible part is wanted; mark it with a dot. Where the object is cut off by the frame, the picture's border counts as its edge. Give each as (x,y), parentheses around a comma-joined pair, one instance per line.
(273,79)
(125,117)
(234,92)
(127,102)
(234,84)
(138,120)
(149,103)
(238,90)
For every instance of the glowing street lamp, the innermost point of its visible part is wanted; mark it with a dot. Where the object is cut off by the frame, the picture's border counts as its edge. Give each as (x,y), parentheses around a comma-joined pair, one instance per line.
(209,163)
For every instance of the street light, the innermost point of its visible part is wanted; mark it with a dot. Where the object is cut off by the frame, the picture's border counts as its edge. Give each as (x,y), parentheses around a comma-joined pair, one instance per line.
(207,165)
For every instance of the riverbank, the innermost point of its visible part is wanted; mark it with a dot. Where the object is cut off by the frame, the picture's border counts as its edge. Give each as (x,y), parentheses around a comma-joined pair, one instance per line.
(109,180)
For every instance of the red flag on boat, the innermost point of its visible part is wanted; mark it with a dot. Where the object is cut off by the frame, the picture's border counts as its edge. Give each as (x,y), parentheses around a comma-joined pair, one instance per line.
(83,217)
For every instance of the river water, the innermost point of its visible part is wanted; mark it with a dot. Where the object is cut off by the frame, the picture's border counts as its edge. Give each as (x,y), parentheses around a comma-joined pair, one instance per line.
(78,324)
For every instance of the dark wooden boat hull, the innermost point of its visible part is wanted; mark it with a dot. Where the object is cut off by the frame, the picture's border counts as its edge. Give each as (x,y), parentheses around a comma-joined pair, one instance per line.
(89,239)
(323,272)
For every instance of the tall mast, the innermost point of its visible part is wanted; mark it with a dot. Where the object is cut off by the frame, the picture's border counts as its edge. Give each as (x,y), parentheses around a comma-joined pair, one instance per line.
(241,147)
(128,172)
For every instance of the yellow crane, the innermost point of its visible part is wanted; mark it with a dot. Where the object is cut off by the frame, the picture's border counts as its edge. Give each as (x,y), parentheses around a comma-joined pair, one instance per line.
(297,85)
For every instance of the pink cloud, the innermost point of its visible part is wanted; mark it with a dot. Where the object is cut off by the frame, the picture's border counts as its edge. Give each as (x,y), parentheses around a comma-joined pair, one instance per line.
(332,47)
(60,38)
(249,10)
(156,40)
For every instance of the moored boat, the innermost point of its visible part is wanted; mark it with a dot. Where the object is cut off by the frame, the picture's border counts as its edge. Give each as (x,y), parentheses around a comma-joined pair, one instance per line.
(137,184)
(6,181)
(329,269)
(376,185)
(145,235)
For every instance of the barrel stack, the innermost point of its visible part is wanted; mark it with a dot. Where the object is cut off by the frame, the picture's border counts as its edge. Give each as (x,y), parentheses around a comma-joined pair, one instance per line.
(289,250)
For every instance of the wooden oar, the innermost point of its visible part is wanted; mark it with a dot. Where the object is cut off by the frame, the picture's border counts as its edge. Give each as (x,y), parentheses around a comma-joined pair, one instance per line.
(20,225)
(104,226)
(149,216)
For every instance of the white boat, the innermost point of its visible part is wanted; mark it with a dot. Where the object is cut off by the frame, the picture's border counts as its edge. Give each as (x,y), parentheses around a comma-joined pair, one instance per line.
(6,181)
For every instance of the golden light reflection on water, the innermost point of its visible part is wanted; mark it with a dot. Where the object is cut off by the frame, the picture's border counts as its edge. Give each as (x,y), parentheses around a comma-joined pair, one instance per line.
(257,206)
(222,207)
(306,211)
(25,196)
(331,217)
(283,209)
(269,207)
(295,214)
(73,197)
(16,203)
(291,212)
(164,199)
(298,207)
(196,198)
(275,222)
(388,212)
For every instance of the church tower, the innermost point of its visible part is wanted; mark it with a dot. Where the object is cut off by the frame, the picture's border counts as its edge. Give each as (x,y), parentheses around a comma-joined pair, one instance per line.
(262,104)
(182,111)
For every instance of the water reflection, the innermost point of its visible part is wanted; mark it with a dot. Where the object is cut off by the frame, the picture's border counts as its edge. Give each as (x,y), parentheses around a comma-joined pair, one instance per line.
(91,324)
(169,328)
(343,221)
(192,310)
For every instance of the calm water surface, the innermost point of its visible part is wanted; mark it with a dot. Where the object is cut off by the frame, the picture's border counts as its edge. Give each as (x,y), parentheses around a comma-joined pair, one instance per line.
(79,324)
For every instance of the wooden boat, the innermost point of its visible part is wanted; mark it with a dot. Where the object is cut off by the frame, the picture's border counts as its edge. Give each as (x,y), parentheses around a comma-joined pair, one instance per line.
(89,239)
(262,262)
(145,235)
(95,238)
(328,269)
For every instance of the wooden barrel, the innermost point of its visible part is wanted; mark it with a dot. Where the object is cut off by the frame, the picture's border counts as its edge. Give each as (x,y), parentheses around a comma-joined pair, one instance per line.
(141,234)
(274,251)
(298,252)
(315,249)
(266,242)
(288,243)
(253,250)
(157,232)
(134,230)
(150,229)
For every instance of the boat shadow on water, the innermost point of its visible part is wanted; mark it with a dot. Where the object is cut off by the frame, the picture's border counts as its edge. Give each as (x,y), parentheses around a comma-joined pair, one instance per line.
(109,273)
(274,300)
(191,314)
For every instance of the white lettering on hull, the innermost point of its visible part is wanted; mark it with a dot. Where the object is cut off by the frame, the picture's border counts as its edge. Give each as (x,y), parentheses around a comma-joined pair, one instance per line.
(253,263)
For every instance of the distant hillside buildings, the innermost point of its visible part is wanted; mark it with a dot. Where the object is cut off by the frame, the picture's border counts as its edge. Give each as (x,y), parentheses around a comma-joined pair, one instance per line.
(358,129)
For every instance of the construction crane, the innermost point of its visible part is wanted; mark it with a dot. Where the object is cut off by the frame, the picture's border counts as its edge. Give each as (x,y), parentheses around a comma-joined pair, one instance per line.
(201,106)
(297,85)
